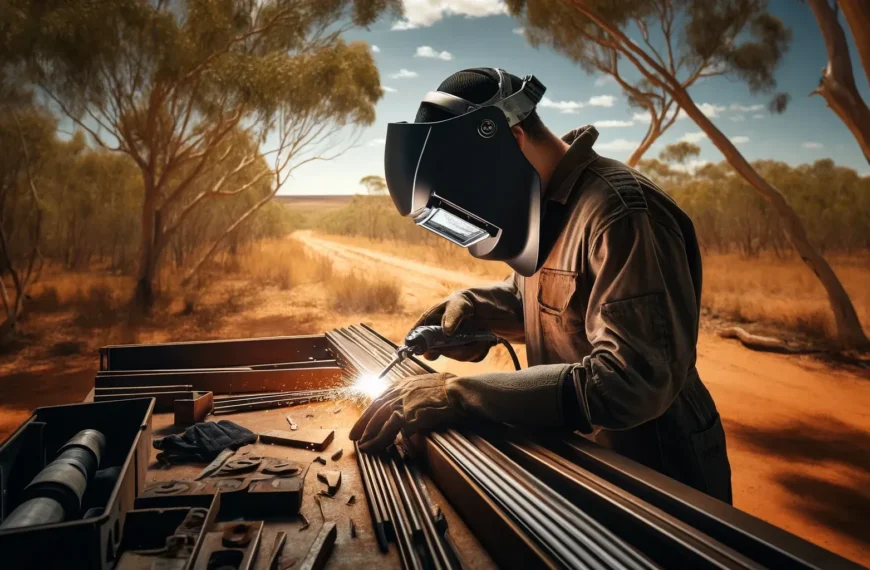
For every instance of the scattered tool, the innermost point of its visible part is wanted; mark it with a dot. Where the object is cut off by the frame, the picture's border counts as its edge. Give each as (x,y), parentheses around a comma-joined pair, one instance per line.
(321,549)
(314,439)
(433,338)
(337,455)
(332,480)
(305,523)
(277,549)
(320,506)
(320,460)
(293,425)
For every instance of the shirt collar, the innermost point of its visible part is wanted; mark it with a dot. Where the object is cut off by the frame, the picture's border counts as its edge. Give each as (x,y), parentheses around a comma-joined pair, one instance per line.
(576,159)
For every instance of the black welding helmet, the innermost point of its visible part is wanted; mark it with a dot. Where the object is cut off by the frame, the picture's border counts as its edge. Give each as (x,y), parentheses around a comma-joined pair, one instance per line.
(458,171)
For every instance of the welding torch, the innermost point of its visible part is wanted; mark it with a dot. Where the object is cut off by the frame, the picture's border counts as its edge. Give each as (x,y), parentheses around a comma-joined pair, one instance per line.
(433,338)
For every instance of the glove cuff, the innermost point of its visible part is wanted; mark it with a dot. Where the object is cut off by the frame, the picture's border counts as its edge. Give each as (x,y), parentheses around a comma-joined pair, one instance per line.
(530,397)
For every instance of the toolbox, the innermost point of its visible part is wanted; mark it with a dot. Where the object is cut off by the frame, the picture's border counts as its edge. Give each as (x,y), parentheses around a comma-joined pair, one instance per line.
(93,539)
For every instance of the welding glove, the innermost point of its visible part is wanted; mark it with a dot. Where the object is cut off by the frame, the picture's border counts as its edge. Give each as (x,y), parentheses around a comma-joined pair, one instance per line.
(497,308)
(530,397)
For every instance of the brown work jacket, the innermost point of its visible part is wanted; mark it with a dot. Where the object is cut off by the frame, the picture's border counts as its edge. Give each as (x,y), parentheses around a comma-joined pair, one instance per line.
(619,296)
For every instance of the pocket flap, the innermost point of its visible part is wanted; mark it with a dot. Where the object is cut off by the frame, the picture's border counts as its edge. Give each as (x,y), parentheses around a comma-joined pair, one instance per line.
(555,289)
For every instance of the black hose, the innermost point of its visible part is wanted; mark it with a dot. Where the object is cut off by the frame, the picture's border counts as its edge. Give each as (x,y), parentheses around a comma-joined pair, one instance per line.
(511,351)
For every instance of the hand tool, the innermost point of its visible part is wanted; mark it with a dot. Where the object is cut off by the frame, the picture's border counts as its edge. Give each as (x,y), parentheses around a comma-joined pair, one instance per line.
(428,338)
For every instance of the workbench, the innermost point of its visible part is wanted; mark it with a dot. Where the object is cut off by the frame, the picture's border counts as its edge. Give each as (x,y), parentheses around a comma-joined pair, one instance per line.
(349,553)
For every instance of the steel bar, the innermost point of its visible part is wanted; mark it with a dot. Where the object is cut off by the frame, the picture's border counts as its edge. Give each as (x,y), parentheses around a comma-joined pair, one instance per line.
(438,544)
(234,381)
(559,545)
(373,500)
(214,354)
(403,538)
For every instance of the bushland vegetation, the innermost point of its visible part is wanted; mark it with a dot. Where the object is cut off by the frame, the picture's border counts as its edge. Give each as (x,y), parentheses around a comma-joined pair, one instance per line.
(752,273)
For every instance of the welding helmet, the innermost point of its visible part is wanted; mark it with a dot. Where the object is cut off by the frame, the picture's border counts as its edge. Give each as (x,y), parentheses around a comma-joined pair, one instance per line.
(464,177)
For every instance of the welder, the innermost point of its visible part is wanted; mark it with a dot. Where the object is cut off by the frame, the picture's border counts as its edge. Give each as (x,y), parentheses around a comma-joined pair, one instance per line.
(605,290)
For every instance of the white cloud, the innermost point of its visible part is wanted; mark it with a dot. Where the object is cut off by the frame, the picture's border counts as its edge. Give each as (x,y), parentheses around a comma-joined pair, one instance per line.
(377,142)
(618,145)
(604,80)
(571,107)
(711,110)
(388,89)
(602,100)
(610,123)
(427,51)
(693,137)
(812,144)
(519,31)
(740,139)
(758,116)
(738,118)
(376,49)
(404,74)
(745,108)
(424,13)
(563,106)
(640,117)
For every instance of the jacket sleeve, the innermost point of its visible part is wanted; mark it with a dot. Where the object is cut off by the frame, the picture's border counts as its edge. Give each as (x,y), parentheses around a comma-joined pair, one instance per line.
(499,308)
(641,320)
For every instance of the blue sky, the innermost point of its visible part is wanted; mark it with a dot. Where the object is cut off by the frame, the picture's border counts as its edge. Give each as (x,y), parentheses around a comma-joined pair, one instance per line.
(439,37)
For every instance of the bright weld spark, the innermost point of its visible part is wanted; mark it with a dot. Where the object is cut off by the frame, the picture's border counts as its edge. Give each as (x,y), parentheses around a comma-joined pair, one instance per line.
(370,386)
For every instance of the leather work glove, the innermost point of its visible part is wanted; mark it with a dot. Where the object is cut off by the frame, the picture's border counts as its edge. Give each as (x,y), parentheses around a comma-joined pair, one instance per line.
(495,308)
(530,397)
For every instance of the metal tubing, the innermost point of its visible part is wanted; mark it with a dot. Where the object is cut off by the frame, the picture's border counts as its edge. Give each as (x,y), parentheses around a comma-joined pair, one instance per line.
(373,500)
(433,539)
(403,536)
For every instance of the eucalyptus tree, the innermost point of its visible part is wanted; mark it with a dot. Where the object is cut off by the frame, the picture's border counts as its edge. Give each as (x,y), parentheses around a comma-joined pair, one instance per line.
(172,83)
(712,33)
(691,40)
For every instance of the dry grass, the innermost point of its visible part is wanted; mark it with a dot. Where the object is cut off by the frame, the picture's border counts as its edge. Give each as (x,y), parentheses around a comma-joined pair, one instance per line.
(445,255)
(357,293)
(284,263)
(782,293)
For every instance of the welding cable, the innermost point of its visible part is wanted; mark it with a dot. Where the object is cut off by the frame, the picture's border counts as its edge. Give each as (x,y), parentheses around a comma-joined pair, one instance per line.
(511,351)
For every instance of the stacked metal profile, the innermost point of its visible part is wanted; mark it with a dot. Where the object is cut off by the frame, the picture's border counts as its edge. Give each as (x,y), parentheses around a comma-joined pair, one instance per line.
(559,501)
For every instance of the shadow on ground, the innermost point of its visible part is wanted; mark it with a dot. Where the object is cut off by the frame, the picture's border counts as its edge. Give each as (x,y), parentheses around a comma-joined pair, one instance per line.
(841,502)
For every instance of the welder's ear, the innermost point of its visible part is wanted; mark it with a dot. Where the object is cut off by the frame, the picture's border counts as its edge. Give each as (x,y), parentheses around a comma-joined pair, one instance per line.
(520,135)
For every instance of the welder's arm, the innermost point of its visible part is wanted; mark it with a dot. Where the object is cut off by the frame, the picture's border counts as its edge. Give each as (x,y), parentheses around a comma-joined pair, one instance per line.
(642,323)
(497,308)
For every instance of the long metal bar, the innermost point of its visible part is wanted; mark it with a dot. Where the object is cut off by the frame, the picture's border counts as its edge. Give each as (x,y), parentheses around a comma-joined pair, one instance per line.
(234,381)
(402,536)
(433,539)
(373,500)
(550,535)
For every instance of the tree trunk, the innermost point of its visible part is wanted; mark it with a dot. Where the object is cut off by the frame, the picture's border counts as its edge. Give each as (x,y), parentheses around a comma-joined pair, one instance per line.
(144,295)
(837,85)
(857,14)
(651,136)
(849,331)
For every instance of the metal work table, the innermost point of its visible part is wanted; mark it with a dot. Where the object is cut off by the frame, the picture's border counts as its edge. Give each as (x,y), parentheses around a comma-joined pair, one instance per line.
(349,553)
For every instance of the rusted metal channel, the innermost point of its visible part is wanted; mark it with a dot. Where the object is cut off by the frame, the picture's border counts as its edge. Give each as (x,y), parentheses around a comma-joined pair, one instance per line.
(560,501)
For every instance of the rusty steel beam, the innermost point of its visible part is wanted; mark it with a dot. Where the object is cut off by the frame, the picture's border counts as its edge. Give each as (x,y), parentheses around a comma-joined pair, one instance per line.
(214,354)
(233,381)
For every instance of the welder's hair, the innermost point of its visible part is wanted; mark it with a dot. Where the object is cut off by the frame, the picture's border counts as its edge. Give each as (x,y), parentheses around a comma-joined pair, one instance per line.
(479,85)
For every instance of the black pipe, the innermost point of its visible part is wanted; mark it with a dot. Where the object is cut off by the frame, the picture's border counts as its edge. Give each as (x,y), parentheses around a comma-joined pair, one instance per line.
(55,494)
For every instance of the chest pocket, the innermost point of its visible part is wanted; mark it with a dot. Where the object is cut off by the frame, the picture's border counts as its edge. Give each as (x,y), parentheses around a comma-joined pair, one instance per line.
(559,315)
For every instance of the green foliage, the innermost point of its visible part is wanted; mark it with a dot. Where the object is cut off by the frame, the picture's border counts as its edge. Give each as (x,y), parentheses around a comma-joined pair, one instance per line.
(679,152)
(832,201)
(374,184)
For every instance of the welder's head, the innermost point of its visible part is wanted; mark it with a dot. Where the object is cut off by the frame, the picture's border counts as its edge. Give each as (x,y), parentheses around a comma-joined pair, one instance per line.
(461,169)
(478,86)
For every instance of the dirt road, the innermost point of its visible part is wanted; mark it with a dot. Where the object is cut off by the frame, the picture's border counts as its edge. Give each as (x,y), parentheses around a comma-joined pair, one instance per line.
(798,430)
